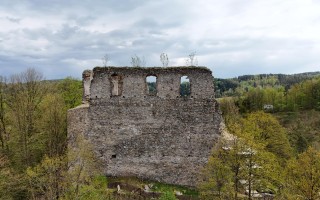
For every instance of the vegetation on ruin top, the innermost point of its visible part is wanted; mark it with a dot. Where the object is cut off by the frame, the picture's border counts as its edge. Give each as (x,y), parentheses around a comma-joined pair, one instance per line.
(173,68)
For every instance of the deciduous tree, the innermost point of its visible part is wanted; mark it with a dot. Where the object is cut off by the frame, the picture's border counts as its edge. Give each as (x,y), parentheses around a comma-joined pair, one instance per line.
(269,131)
(46,180)
(4,130)
(303,175)
(53,125)
(83,169)
(71,91)
(136,61)
(218,179)
(105,60)
(164,59)
(25,93)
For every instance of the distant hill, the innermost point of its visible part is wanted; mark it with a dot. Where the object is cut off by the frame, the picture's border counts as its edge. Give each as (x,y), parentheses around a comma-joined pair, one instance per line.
(226,87)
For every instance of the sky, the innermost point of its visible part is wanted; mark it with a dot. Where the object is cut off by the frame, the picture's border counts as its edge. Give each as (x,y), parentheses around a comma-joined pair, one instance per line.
(62,38)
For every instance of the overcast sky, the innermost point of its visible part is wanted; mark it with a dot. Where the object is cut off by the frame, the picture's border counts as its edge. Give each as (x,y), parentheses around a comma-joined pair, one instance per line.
(61,38)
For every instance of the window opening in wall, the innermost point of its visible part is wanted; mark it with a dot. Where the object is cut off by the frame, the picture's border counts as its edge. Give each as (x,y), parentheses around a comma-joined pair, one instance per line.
(115,85)
(151,85)
(114,156)
(185,89)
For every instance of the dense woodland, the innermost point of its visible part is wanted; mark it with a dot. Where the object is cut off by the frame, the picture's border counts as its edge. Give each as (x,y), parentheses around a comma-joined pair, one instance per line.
(284,92)
(271,152)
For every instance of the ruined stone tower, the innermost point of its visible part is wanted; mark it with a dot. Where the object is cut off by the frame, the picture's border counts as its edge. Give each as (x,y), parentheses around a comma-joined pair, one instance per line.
(160,136)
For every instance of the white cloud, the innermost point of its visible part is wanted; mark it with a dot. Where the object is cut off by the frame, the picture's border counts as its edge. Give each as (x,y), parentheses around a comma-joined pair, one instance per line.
(232,37)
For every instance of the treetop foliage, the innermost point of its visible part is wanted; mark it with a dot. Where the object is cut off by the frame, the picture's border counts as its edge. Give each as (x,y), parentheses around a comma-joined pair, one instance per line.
(33,133)
(255,94)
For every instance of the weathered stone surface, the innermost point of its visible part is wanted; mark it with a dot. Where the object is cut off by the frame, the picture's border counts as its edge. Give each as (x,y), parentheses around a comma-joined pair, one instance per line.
(164,137)
(86,81)
(78,123)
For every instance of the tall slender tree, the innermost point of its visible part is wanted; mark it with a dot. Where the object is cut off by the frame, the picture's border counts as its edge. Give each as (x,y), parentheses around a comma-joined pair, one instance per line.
(25,93)
(164,59)
(4,132)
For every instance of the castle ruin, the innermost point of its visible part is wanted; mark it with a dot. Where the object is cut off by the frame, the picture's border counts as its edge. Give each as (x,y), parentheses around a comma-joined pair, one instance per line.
(158,135)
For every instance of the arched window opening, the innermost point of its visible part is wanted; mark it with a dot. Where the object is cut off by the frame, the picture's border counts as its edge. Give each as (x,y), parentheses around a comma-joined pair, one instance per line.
(116,85)
(151,85)
(185,89)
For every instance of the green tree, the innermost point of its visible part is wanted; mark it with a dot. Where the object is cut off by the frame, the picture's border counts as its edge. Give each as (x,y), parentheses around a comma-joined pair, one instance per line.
(12,184)
(53,125)
(304,95)
(46,180)
(303,175)
(71,90)
(25,93)
(217,176)
(246,161)
(230,111)
(241,165)
(269,131)
(255,99)
(257,168)
(76,175)
(83,169)
(185,88)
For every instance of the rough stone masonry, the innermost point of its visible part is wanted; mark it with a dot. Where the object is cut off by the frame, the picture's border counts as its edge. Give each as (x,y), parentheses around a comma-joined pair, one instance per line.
(161,135)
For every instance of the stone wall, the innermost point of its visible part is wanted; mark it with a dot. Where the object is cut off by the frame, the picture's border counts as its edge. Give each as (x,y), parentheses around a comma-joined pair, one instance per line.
(163,137)
(78,124)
